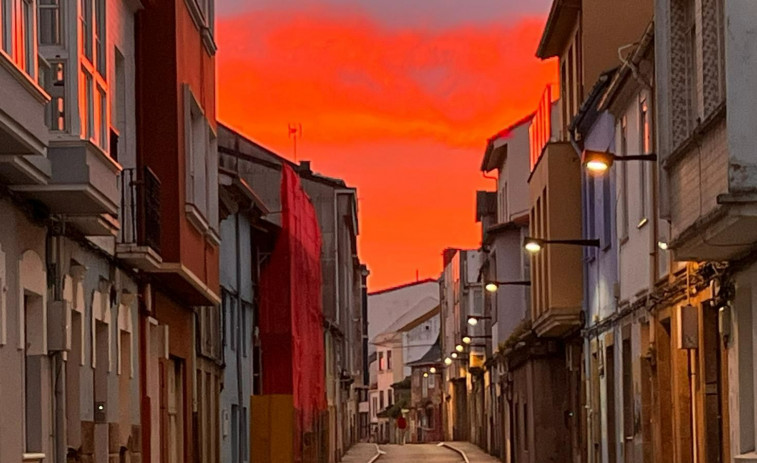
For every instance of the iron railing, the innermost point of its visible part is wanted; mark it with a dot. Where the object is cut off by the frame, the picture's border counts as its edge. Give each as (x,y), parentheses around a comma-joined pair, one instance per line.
(140,208)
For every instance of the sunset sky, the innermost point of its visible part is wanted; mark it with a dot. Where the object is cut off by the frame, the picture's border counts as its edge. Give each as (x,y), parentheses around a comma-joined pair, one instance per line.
(397,97)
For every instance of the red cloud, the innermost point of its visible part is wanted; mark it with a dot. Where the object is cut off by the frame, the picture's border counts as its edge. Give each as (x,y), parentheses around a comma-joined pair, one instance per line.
(403,114)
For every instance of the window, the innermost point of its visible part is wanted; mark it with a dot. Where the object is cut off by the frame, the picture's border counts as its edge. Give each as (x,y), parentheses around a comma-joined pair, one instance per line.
(389,360)
(389,397)
(101,119)
(202,166)
(85,18)
(607,217)
(375,406)
(30,51)
(503,212)
(6,15)
(54,84)
(381,400)
(86,104)
(623,151)
(49,22)
(381,361)
(424,388)
(99,36)
(431,381)
(644,147)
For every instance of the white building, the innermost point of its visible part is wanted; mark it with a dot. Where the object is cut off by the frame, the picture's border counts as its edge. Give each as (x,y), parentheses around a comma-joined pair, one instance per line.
(389,310)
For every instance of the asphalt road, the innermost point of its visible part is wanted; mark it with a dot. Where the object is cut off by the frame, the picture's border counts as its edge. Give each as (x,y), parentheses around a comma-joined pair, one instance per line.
(421,453)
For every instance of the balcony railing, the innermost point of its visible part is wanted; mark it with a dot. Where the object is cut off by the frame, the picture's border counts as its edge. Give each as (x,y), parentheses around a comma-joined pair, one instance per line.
(140,203)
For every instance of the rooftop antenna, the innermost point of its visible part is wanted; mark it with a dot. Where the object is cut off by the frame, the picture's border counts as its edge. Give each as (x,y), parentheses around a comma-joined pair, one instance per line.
(295,132)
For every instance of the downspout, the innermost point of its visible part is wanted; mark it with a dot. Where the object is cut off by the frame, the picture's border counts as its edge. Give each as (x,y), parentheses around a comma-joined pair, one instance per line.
(238,265)
(54,253)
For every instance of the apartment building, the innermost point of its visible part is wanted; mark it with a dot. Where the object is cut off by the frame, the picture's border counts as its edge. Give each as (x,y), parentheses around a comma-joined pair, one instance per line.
(705,64)
(462,314)
(176,245)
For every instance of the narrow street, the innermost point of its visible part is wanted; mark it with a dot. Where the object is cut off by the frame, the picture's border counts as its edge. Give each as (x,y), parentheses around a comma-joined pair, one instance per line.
(430,453)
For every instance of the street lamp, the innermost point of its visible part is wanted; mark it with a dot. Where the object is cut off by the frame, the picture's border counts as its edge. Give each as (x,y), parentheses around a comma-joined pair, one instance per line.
(459,348)
(473,319)
(492,286)
(469,339)
(534,245)
(432,370)
(448,361)
(425,374)
(453,355)
(600,161)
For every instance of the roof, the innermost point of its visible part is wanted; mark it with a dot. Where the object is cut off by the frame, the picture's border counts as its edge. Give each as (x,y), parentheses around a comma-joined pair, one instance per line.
(432,357)
(416,315)
(589,109)
(260,154)
(562,17)
(636,56)
(423,318)
(496,148)
(402,286)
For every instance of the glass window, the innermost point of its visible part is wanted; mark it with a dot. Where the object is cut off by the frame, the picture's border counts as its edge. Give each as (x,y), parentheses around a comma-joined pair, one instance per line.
(30,53)
(389,360)
(102,119)
(623,150)
(49,22)
(644,142)
(85,18)
(6,25)
(100,36)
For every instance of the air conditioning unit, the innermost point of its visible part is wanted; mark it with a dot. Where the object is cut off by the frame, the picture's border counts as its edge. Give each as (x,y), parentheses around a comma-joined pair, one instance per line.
(58,326)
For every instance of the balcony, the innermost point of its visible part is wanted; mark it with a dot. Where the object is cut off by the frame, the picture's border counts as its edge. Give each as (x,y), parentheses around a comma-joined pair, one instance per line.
(23,134)
(83,186)
(139,240)
(556,271)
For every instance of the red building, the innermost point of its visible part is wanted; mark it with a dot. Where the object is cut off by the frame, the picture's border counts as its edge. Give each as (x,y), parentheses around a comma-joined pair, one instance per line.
(174,199)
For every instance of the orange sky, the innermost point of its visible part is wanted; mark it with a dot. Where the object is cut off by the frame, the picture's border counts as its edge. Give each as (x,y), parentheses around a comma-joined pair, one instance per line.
(400,111)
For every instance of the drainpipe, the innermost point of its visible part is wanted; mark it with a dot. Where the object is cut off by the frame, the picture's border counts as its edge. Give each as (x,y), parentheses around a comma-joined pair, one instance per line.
(238,264)
(54,251)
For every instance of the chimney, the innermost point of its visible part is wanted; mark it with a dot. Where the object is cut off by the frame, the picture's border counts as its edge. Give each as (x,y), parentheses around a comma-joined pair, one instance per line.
(305,167)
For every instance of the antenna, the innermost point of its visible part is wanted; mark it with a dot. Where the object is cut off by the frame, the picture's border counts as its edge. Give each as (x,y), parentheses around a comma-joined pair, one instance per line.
(295,132)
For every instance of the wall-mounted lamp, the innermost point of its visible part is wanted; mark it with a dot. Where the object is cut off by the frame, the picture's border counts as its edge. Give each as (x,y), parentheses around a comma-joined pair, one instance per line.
(600,161)
(534,245)
(473,319)
(448,361)
(492,286)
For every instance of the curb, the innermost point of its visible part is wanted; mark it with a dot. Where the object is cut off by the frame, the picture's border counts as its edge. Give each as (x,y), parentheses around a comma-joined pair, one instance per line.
(455,449)
(379,452)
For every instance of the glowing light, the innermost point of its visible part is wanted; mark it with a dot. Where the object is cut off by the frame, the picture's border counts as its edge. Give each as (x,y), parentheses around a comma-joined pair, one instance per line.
(425,374)
(466,339)
(533,246)
(448,361)
(453,355)
(432,370)
(492,287)
(663,245)
(597,166)
(472,321)
(459,348)
(597,161)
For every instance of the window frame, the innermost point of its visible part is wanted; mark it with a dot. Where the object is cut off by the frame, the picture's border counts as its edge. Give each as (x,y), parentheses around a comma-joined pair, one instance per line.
(645,142)
(55,6)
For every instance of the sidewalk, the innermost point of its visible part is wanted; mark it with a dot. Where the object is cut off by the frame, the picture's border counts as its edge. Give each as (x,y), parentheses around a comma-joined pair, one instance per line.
(474,453)
(360,453)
